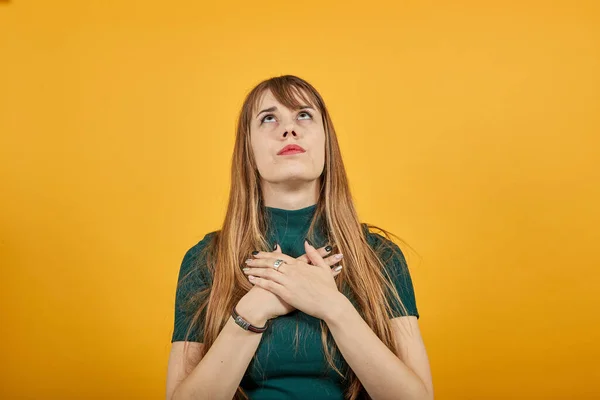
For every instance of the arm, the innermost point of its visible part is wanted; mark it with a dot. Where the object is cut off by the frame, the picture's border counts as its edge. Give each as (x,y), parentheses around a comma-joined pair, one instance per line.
(381,372)
(218,374)
(311,289)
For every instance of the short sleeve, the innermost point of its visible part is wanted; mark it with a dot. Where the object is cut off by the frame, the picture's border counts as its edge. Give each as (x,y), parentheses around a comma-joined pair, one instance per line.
(402,281)
(193,280)
(399,274)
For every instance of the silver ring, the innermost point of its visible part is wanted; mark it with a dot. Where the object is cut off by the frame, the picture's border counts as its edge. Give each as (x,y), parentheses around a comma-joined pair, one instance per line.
(277,264)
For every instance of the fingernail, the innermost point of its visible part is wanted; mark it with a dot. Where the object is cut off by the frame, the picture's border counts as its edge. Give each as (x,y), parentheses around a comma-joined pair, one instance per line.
(338,268)
(328,248)
(309,242)
(339,256)
(275,247)
(245,269)
(251,277)
(255,252)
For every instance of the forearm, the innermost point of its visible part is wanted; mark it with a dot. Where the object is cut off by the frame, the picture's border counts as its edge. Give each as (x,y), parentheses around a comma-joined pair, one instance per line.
(218,374)
(380,371)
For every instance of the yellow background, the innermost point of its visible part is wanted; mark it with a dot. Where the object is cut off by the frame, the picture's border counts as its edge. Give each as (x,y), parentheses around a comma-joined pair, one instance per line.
(470,129)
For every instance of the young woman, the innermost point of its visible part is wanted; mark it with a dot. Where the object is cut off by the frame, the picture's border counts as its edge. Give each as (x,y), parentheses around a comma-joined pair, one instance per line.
(264,309)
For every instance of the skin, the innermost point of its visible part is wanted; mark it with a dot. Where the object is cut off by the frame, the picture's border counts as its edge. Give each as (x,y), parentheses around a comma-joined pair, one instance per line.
(289,182)
(311,289)
(306,283)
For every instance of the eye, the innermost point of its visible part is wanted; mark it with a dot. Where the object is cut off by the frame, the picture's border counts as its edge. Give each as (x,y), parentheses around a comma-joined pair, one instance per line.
(265,117)
(305,113)
(301,115)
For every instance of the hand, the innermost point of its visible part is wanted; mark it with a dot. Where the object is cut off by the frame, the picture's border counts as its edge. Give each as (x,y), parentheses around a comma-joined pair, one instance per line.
(309,288)
(259,304)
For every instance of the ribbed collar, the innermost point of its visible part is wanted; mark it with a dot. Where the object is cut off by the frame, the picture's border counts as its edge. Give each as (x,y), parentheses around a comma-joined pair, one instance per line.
(302,213)
(290,227)
(292,221)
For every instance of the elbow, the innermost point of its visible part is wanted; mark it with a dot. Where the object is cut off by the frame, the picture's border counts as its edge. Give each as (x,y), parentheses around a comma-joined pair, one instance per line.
(426,390)
(176,395)
(180,393)
(428,393)
(423,394)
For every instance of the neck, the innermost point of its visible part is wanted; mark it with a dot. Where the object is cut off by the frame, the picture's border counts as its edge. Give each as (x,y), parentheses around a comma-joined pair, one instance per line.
(290,195)
(290,227)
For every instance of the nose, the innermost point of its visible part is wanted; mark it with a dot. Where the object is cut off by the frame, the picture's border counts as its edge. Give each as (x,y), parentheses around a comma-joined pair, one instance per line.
(289,128)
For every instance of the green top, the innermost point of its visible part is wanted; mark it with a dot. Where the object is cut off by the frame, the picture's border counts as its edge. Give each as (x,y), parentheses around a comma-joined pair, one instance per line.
(283,367)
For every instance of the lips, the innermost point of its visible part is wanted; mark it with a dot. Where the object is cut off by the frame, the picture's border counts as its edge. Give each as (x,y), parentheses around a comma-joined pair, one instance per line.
(291,149)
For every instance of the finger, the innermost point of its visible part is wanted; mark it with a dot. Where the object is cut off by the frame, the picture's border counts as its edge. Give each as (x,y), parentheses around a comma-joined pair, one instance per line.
(268,263)
(314,256)
(323,251)
(336,271)
(274,255)
(269,285)
(333,259)
(266,273)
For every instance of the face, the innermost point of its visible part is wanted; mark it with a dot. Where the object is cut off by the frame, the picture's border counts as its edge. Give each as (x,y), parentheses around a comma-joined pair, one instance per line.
(272,130)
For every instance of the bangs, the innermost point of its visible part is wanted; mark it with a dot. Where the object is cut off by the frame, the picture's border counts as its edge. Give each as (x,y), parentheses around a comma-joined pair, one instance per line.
(290,94)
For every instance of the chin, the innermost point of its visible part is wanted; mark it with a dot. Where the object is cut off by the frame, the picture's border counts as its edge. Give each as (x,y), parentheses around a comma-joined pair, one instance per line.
(293,176)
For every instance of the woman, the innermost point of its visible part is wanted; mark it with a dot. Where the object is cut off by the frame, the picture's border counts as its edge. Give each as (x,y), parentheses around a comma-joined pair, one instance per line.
(263,306)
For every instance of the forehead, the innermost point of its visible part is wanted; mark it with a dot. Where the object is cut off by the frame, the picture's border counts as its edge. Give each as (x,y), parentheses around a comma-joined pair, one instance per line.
(267,98)
(291,99)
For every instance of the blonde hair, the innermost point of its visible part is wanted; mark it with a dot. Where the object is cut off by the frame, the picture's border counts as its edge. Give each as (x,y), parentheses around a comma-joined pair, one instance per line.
(243,230)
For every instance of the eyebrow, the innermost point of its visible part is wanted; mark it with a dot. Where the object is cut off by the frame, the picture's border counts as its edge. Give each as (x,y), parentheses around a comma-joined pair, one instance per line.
(275,108)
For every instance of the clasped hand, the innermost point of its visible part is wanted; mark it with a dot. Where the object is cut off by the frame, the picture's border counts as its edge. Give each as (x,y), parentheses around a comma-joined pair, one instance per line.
(310,288)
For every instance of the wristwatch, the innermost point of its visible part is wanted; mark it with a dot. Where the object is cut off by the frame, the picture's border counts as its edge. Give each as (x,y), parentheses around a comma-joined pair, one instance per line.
(245,324)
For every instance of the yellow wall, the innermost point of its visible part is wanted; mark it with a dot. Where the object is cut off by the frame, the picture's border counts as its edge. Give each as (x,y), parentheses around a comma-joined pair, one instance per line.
(471,130)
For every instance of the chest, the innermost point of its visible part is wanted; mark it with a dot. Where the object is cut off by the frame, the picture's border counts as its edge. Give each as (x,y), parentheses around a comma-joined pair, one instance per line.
(292,347)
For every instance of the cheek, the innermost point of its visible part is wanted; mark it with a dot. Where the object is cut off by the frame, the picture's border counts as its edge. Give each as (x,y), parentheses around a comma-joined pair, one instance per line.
(262,153)
(320,141)
(321,147)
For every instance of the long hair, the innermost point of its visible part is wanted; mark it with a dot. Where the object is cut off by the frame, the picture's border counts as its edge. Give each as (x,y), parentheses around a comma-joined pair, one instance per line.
(245,224)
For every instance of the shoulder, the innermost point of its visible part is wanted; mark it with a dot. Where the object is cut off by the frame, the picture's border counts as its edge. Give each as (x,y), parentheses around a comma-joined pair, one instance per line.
(197,250)
(382,245)
(195,259)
